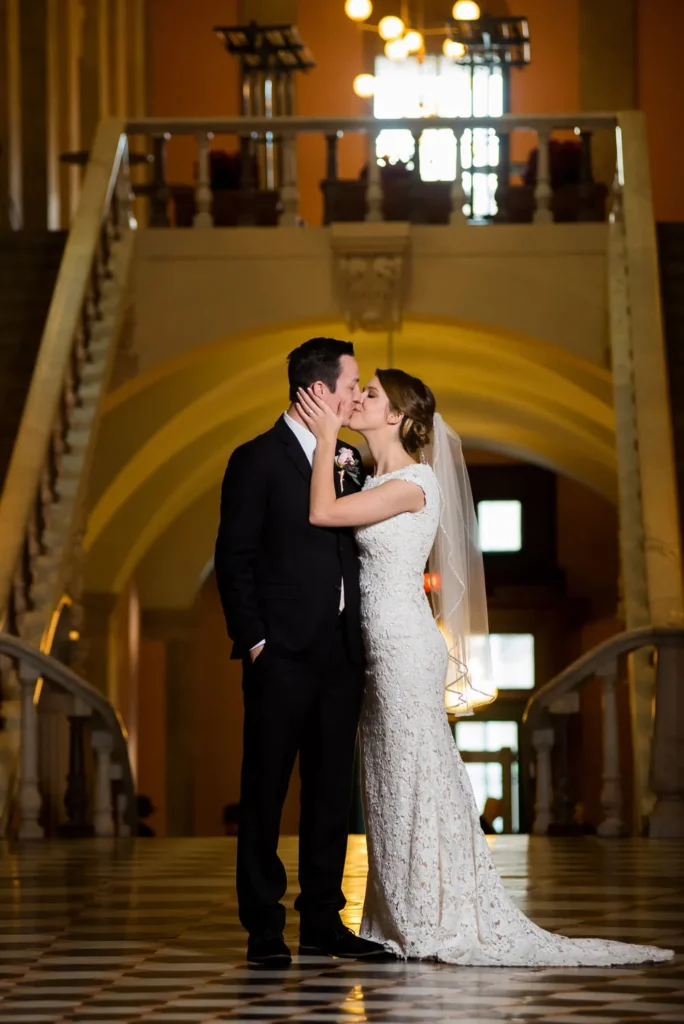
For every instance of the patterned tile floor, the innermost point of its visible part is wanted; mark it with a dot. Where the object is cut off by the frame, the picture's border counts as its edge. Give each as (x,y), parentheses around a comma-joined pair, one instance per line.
(104,931)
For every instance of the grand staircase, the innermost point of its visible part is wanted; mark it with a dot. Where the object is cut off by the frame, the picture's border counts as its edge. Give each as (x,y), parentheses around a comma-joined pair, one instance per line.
(29,262)
(62,303)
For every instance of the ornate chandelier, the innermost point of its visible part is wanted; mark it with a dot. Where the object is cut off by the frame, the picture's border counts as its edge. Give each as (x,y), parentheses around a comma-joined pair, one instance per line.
(469,37)
(404,37)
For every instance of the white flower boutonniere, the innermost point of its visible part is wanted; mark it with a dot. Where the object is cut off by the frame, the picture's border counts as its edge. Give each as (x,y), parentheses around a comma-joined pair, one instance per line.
(347,463)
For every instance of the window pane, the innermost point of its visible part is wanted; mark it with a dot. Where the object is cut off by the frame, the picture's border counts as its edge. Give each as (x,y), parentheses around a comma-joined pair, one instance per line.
(513,660)
(438,86)
(499,522)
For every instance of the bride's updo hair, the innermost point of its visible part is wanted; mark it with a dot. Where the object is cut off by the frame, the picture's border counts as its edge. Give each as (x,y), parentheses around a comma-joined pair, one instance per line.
(409,396)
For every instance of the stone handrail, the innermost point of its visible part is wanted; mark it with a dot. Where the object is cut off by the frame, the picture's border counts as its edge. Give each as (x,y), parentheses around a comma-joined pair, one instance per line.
(368,125)
(559,697)
(109,739)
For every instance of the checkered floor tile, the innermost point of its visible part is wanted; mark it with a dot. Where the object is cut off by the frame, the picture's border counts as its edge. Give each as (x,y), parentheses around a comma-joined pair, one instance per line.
(101,931)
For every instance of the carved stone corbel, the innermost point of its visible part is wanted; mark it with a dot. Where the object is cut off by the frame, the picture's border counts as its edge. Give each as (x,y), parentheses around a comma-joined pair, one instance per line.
(371,264)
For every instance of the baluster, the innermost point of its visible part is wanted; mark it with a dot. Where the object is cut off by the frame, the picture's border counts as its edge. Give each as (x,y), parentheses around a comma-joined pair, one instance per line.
(373,183)
(289,193)
(103,818)
(667,758)
(76,796)
(332,165)
(585,190)
(330,191)
(246,216)
(204,197)
(159,195)
(30,803)
(543,193)
(611,790)
(542,740)
(123,829)
(457,217)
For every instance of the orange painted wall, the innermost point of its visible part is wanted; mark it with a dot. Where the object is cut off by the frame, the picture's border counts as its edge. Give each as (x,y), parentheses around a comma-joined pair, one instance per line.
(190,73)
(661,97)
(337,45)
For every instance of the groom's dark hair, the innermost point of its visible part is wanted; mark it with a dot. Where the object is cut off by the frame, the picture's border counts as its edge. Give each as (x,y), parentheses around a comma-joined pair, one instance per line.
(316,359)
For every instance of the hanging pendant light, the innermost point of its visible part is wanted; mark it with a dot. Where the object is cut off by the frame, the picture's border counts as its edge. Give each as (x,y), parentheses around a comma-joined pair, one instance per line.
(465,10)
(358,10)
(391,28)
(364,86)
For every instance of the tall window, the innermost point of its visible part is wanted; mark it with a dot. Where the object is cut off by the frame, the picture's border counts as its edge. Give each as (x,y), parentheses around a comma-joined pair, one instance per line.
(438,87)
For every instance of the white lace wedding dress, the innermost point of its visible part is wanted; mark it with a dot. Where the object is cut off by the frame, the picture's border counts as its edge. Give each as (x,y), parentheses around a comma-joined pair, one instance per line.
(433,890)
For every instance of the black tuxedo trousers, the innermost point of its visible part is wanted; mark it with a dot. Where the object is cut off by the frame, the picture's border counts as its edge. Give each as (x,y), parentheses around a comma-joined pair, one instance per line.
(280,580)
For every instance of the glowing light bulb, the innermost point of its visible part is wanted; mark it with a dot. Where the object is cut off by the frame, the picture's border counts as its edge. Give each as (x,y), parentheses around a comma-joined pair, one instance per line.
(358,10)
(364,86)
(414,41)
(453,49)
(465,10)
(396,49)
(391,28)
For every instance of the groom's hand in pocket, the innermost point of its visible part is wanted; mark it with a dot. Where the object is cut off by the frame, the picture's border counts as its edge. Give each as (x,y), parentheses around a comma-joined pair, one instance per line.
(255,652)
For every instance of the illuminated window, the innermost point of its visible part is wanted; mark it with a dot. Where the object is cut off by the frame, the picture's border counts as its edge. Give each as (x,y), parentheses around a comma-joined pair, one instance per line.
(499,525)
(486,777)
(439,87)
(512,656)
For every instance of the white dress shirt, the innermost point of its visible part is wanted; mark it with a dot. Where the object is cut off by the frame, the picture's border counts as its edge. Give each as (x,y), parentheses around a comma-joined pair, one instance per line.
(308,441)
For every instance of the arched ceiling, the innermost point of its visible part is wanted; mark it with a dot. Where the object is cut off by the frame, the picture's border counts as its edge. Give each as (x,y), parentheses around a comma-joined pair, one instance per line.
(166,436)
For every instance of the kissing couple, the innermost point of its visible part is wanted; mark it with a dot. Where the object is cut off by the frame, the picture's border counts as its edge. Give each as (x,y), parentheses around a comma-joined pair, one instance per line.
(320,570)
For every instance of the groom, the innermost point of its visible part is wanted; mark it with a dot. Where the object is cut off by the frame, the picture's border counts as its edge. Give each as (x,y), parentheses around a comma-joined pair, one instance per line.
(290,595)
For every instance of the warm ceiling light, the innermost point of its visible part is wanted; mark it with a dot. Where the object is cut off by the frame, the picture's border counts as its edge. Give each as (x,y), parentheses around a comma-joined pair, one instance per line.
(453,49)
(358,10)
(396,49)
(364,86)
(465,10)
(391,28)
(414,41)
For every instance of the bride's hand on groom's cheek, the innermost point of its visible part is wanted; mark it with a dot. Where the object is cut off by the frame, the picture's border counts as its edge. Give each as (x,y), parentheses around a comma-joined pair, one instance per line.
(317,415)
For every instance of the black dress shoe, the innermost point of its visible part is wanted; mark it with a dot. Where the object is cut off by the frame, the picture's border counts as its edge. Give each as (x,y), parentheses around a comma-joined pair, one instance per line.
(337,941)
(268,949)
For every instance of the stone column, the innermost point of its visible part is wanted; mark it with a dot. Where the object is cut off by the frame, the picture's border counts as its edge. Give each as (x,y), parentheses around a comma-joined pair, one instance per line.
(649,515)
(174,627)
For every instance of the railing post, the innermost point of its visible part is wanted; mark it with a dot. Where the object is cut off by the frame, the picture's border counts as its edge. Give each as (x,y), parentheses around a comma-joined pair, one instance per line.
(373,183)
(331,171)
(542,740)
(289,193)
(159,190)
(30,803)
(611,790)
(203,194)
(457,217)
(543,193)
(667,761)
(76,797)
(103,817)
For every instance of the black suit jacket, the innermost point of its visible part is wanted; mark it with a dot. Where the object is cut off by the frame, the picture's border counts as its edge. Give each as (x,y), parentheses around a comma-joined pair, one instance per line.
(278,576)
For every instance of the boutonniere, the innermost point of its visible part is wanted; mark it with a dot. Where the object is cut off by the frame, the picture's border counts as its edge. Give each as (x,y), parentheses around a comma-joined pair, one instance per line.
(347,463)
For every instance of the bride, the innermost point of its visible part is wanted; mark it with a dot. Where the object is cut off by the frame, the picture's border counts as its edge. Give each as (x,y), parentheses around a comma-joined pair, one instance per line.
(432,890)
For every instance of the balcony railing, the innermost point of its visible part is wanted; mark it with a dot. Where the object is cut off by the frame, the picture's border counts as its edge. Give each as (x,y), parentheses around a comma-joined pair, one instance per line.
(373,196)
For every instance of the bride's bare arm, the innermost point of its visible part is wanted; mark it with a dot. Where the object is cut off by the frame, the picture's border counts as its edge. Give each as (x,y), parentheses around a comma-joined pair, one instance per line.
(362,509)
